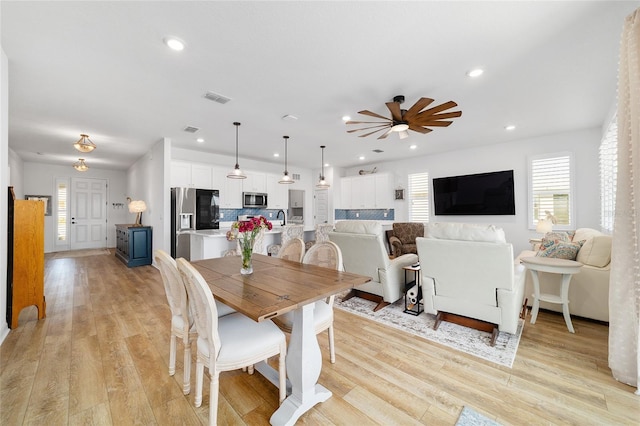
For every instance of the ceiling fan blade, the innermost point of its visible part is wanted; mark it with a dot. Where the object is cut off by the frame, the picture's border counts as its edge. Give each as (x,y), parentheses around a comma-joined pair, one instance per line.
(417,107)
(370,133)
(440,116)
(418,129)
(385,135)
(394,107)
(373,114)
(363,122)
(366,128)
(439,108)
(433,123)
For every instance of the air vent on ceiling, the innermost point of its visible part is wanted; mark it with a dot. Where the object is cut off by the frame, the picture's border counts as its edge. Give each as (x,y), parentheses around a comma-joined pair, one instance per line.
(216,97)
(191,129)
(295,176)
(378,151)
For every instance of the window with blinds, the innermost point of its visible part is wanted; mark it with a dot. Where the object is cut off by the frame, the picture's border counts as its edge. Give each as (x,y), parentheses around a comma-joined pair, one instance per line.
(61,211)
(608,175)
(419,197)
(550,190)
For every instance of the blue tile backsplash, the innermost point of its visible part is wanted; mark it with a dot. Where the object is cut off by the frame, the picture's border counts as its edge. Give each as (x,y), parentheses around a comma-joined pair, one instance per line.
(231,215)
(372,214)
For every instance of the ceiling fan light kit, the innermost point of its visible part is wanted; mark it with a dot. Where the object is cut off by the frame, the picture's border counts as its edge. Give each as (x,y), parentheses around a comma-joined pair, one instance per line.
(286,179)
(236,173)
(417,118)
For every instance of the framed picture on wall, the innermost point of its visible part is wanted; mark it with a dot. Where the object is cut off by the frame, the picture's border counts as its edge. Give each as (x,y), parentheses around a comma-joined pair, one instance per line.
(45,198)
(399,194)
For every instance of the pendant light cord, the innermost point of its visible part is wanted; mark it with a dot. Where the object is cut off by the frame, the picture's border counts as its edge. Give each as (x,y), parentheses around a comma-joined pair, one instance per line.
(237,125)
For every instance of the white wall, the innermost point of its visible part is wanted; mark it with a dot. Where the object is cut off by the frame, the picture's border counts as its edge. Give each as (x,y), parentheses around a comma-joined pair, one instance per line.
(16,173)
(40,179)
(4,183)
(147,181)
(509,156)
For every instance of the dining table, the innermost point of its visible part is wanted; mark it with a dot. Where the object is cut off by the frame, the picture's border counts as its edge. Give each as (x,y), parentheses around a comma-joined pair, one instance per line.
(275,287)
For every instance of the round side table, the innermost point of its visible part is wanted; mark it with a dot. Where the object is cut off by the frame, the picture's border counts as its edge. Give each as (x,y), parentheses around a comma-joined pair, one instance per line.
(555,266)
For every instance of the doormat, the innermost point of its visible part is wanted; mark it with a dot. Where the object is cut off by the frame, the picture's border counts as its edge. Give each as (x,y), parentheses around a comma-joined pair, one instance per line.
(464,339)
(78,253)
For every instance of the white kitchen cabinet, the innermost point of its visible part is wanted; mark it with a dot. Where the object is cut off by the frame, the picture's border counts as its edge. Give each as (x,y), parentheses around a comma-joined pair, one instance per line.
(230,189)
(384,191)
(296,199)
(367,192)
(180,174)
(277,194)
(255,182)
(345,192)
(202,176)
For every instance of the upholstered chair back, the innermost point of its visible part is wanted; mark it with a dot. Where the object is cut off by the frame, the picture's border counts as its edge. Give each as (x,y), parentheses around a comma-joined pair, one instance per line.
(362,246)
(292,250)
(175,290)
(404,237)
(326,254)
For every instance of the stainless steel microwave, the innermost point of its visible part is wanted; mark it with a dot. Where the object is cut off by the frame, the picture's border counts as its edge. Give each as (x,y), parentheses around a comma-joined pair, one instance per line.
(256,200)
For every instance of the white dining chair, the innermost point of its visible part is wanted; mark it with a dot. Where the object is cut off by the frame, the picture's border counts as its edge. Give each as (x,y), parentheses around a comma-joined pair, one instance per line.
(327,255)
(230,342)
(182,325)
(292,250)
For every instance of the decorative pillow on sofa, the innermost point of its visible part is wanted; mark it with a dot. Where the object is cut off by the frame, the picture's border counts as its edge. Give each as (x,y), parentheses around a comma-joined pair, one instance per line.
(596,251)
(560,249)
(556,236)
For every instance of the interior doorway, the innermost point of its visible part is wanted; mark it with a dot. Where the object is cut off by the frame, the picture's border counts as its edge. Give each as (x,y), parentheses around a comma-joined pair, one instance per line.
(320,206)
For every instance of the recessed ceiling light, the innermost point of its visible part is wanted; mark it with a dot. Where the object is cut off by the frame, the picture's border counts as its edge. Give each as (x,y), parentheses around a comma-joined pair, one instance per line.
(174,43)
(346,118)
(413,146)
(361,157)
(199,140)
(326,164)
(475,72)
(276,154)
(510,127)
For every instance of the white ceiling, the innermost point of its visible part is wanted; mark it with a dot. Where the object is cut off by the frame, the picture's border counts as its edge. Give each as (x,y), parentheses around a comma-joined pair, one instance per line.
(101,68)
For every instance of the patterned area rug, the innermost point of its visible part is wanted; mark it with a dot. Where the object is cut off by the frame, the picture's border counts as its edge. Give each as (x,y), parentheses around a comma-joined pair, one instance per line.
(470,417)
(461,338)
(79,253)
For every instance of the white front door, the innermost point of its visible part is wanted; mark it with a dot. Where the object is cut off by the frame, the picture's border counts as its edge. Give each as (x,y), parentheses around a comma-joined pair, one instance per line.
(88,213)
(321,205)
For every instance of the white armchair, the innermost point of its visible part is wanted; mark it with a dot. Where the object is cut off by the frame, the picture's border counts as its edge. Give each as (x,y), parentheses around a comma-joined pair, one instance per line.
(364,252)
(468,270)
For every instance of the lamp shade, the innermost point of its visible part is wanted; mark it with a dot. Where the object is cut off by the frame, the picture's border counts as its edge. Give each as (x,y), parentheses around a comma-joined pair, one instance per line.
(543,226)
(137,206)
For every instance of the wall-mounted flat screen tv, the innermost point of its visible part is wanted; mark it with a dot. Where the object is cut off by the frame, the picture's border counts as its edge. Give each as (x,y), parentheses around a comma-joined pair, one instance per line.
(479,194)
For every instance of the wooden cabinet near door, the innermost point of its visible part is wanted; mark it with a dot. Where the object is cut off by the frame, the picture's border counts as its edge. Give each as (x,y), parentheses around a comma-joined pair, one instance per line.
(133,244)
(26,258)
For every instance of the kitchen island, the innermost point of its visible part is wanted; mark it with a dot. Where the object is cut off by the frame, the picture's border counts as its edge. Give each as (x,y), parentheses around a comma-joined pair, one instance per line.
(212,243)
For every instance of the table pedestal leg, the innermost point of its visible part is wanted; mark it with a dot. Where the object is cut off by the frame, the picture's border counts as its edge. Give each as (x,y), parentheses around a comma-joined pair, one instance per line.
(304,363)
(564,295)
(536,296)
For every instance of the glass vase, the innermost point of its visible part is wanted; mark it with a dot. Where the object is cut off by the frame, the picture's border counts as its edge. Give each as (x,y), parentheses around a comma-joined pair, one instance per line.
(246,252)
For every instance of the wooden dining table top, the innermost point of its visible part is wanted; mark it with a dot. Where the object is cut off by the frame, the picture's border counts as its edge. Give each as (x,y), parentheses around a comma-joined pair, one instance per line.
(275,287)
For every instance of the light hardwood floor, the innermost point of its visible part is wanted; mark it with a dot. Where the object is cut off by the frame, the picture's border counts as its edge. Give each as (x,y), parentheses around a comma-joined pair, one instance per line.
(101,357)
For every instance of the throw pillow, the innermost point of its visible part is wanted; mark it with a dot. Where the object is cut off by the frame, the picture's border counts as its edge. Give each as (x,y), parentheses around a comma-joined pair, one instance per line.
(557,235)
(560,249)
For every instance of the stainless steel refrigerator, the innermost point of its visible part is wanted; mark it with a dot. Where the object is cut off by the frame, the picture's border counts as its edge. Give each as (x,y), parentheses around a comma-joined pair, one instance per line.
(183,221)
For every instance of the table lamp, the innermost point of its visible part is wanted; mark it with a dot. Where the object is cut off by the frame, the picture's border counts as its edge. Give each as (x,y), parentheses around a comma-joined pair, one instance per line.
(543,226)
(137,206)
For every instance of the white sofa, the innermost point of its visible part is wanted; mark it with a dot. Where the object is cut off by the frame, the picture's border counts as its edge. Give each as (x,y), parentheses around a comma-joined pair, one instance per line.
(364,252)
(588,289)
(468,270)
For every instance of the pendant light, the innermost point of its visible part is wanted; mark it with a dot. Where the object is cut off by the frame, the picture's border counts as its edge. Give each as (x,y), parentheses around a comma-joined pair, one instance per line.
(322,184)
(84,144)
(80,165)
(236,173)
(286,179)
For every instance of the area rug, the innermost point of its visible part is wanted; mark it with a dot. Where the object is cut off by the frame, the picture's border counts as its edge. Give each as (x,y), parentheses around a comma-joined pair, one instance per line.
(455,336)
(470,417)
(79,253)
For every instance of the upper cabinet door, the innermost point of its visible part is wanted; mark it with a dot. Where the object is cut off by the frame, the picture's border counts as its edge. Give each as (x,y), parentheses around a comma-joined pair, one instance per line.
(202,176)
(255,182)
(180,174)
(278,194)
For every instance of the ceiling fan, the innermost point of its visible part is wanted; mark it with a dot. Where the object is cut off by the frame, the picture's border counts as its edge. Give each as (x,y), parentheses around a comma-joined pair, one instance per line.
(416,118)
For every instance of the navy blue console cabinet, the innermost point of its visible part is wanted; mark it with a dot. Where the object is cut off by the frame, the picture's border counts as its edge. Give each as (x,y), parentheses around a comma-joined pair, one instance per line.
(133,244)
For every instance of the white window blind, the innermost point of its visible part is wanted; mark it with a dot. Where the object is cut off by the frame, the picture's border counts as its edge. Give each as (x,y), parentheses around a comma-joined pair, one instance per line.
(550,190)
(419,197)
(61,211)
(608,175)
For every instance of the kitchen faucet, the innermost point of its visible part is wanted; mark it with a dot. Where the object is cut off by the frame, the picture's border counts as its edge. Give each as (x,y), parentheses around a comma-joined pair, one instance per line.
(284,217)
